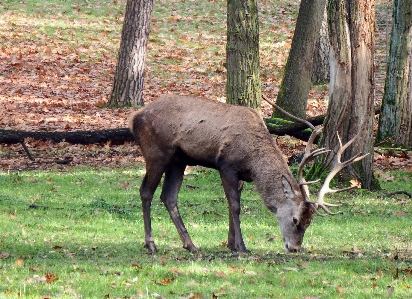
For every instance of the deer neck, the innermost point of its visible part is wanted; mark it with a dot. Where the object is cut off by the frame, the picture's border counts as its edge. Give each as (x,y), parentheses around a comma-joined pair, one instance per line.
(267,174)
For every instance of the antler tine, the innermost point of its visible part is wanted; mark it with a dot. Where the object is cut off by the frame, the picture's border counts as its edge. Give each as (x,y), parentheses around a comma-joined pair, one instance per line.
(323,207)
(337,166)
(307,157)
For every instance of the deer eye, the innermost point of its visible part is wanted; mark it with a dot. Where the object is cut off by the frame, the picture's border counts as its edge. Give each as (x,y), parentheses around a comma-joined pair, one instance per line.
(295,220)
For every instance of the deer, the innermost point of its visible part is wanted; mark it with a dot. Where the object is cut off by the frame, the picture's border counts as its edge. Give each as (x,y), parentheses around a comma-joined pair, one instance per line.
(177,131)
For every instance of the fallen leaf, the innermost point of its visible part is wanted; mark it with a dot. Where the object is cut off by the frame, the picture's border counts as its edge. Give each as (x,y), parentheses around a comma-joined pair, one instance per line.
(220,274)
(401,214)
(19,262)
(165,281)
(379,272)
(163,260)
(339,289)
(357,250)
(355,184)
(177,271)
(50,277)
(136,266)
(4,255)
(192,283)
(223,244)
(34,269)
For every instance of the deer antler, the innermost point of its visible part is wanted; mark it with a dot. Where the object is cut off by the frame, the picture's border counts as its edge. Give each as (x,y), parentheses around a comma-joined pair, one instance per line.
(310,154)
(337,165)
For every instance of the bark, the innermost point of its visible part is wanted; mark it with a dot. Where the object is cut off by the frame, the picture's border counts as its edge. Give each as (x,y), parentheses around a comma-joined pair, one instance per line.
(296,82)
(128,81)
(395,122)
(320,71)
(243,84)
(350,111)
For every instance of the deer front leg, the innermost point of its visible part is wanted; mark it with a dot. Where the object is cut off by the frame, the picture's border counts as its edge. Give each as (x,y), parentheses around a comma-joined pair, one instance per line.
(232,191)
(171,186)
(150,182)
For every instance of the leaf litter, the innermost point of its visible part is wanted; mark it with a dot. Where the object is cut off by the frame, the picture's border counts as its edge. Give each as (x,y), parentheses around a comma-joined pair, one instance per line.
(61,82)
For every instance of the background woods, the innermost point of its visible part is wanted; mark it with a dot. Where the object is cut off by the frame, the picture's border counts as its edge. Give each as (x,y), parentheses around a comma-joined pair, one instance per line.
(58,74)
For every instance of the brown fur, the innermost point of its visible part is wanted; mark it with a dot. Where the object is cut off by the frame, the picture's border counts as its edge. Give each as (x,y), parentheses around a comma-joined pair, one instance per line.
(176,131)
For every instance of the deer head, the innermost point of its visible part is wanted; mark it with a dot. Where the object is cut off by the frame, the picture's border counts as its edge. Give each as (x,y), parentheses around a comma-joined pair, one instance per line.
(293,222)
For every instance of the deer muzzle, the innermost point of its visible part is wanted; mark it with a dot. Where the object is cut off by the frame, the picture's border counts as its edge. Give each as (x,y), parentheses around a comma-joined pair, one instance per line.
(293,248)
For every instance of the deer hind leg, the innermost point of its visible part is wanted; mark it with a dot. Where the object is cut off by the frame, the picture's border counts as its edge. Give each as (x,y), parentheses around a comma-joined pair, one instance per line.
(171,186)
(150,182)
(232,191)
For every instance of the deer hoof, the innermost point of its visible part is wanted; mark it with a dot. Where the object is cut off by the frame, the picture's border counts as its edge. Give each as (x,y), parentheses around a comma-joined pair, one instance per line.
(238,249)
(151,247)
(235,253)
(191,248)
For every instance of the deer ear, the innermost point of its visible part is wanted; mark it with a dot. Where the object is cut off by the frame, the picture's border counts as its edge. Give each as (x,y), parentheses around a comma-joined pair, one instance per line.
(287,189)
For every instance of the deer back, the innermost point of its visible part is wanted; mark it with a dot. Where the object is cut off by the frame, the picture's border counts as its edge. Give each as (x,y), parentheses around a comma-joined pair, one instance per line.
(201,131)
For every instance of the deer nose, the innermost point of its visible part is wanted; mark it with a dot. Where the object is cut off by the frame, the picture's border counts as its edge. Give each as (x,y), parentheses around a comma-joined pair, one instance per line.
(291,248)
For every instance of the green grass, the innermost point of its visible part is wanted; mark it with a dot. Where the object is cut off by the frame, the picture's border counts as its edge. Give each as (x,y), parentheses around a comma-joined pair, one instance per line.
(80,234)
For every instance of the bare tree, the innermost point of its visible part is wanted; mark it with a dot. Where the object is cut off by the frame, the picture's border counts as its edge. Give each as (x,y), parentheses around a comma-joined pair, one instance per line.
(351,111)
(243,85)
(128,80)
(395,122)
(296,82)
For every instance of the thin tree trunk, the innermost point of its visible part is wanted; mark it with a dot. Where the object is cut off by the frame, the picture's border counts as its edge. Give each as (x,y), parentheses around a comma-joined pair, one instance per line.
(395,122)
(351,111)
(296,82)
(243,85)
(128,81)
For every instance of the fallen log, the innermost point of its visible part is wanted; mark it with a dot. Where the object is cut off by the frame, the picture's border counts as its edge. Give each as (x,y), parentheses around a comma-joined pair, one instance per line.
(116,136)
(121,135)
(295,129)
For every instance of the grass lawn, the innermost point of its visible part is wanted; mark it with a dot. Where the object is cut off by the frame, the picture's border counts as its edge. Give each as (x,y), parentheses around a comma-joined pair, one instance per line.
(79,234)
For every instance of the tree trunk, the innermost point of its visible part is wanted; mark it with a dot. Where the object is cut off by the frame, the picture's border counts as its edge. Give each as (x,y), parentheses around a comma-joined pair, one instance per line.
(296,82)
(320,72)
(243,85)
(350,111)
(128,81)
(395,122)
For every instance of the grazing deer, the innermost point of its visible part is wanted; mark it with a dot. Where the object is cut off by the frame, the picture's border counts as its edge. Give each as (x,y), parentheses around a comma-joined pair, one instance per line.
(176,131)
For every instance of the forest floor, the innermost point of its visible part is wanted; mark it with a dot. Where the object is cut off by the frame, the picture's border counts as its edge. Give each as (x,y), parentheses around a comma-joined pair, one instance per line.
(58,59)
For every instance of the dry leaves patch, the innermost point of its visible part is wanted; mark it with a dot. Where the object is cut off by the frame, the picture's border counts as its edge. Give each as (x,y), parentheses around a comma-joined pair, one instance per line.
(56,71)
